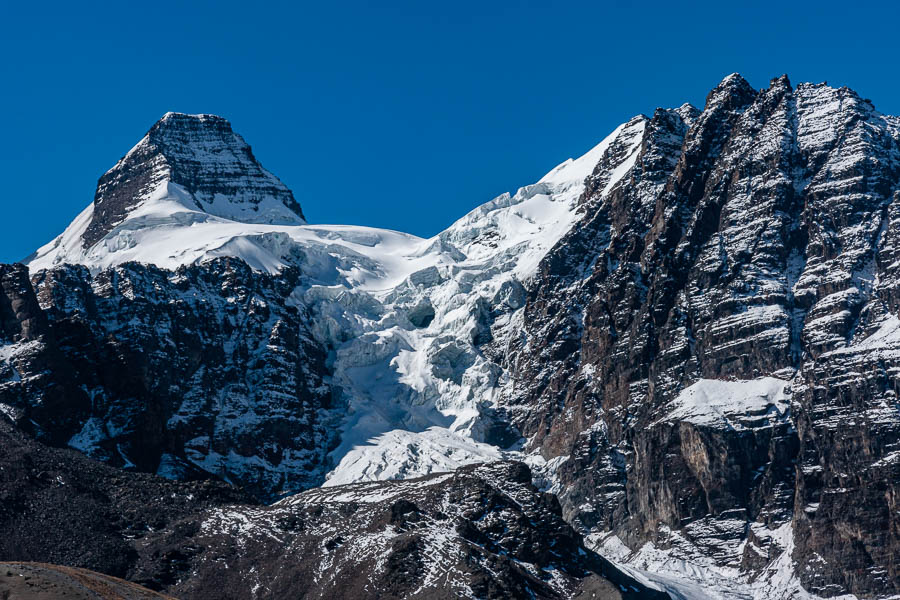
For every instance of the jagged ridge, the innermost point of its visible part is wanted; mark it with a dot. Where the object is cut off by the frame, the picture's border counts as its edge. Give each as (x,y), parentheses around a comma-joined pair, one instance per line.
(483,532)
(752,239)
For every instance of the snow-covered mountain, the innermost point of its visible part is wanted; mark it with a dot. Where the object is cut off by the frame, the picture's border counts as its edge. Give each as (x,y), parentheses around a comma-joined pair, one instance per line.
(401,315)
(688,333)
(187,169)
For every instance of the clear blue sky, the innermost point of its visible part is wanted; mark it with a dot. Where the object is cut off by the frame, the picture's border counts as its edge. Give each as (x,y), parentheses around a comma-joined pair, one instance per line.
(391,114)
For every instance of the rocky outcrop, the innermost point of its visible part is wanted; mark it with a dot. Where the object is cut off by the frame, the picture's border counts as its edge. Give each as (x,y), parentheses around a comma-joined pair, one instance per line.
(483,532)
(206,371)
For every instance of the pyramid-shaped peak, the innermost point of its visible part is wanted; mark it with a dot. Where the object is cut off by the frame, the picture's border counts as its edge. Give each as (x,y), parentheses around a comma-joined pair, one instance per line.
(734,80)
(211,164)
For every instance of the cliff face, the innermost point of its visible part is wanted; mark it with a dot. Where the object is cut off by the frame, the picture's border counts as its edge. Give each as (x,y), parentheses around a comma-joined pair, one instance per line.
(208,370)
(753,239)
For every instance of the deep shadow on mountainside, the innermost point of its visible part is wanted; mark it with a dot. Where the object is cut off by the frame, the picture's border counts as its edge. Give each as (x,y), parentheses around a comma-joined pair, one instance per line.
(496,535)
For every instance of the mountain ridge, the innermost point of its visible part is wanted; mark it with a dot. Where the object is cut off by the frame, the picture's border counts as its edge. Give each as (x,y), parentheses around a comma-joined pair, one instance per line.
(688,334)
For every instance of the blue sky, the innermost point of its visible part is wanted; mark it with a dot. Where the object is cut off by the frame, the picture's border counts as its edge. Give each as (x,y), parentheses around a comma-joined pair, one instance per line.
(392,114)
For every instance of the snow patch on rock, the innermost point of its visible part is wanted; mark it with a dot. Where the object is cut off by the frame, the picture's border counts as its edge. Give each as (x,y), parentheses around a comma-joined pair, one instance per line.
(717,403)
(700,578)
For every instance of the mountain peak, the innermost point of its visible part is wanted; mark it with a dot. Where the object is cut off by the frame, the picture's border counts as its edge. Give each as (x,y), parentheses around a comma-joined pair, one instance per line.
(731,92)
(213,166)
(184,123)
(783,81)
(175,115)
(733,80)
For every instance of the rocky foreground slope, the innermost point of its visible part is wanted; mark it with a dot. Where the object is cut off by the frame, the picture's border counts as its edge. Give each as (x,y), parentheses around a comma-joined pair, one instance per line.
(482,532)
(41,581)
(690,333)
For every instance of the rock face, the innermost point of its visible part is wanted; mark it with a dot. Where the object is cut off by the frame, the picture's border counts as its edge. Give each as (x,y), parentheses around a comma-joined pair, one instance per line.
(60,507)
(483,532)
(752,239)
(208,370)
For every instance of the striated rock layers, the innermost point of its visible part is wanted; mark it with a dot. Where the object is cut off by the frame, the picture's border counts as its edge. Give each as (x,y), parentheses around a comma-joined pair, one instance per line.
(205,370)
(204,156)
(753,239)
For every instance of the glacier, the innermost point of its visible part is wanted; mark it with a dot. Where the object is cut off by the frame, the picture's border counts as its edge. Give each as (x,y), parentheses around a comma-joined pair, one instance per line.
(417,392)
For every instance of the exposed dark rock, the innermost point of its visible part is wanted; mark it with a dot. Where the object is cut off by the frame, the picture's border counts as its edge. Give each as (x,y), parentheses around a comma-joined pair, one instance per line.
(41,581)
(207,370)
(754,238)
(204,539)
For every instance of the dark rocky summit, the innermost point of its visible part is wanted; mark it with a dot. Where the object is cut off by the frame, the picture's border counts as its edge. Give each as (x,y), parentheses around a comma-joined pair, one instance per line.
(203,155)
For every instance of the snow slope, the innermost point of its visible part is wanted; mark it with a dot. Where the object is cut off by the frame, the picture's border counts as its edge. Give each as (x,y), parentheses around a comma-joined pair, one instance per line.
(693,577)
(166,231)
(718,403)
